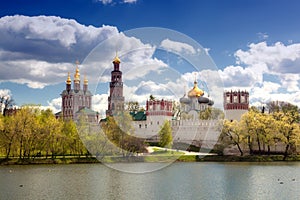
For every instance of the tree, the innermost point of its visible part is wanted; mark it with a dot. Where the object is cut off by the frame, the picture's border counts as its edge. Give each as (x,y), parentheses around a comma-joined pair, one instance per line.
(288,128)
(233,134)
(165,135)
(151,97)
(133,106)
(119,131)
(211,113)
(7,102)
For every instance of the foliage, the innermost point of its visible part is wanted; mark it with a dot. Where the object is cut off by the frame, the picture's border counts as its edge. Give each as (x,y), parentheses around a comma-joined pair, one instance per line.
(6,102)
(133,106)
(165,135)
(234,132)
(119,130)
(32,133)
(262,132)
(151,97)
(211,113)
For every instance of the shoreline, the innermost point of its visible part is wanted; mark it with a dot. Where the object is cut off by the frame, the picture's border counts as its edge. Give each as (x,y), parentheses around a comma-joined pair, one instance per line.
(152,159)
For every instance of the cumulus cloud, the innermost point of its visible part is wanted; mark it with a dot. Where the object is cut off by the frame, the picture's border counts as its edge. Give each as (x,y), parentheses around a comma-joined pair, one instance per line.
(54,105)
(239,76)
(37,51)
(100,103)
(261,60)
(177,47)
(277,58)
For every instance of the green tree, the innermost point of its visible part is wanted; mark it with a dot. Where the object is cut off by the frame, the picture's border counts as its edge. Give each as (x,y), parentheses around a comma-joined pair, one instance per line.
(233,134)
(120,131)
(151,97)
(211,113)
(289,131)
(165,135)
(133,106)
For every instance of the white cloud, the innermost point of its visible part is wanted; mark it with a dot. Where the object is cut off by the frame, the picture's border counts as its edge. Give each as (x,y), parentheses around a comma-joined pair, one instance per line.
(262,36)
(105,1)
(177,47)
(129,1)
(5,93)
(54,105)
(239,76)
(277,58)
(290,82)
(279,62)
(39,51)
(99,104)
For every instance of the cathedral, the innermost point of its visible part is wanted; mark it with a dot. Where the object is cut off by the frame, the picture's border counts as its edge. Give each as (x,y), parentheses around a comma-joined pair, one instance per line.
(76,99)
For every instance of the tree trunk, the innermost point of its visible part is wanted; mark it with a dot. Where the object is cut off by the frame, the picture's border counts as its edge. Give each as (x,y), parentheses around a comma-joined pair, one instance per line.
(240,149)
(258,143)
(286,151)
(250,145)
(21,146)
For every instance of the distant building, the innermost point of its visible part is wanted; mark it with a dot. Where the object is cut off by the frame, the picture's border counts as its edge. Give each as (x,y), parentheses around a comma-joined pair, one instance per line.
(76,100)
(116,98)
(194,101)
(236,103)
(148,123)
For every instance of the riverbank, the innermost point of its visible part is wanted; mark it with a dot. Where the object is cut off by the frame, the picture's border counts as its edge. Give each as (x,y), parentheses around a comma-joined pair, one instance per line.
(153,158)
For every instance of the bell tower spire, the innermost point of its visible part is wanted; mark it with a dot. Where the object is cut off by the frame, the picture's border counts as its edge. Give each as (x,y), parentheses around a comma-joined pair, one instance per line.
(68,82)
(77,78)
(116,98)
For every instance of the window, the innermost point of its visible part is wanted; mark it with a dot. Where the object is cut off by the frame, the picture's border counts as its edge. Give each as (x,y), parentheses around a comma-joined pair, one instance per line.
(235,99)
(140,125)
(145,125)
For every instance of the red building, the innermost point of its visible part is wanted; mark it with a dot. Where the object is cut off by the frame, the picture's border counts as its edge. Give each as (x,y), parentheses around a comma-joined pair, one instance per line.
(116,98)
(236,103)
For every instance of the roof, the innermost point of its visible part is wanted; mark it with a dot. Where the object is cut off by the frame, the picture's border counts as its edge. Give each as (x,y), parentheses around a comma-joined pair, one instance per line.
(87,111)
(138,116)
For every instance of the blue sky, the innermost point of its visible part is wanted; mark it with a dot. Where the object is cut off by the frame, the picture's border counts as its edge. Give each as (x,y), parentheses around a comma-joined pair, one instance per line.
(254,43)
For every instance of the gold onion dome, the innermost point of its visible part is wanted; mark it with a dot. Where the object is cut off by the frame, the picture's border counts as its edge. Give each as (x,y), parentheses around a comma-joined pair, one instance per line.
(116,59)
(69,79)
(85,81)
(195,92)
(77,74)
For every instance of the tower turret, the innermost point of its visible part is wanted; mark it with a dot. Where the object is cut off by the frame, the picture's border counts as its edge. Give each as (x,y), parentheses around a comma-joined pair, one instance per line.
(77,78)
(85,84)
(68,83)
(116,98)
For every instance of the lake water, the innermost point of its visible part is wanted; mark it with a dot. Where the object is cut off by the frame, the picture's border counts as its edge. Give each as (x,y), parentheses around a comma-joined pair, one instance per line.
(177,181)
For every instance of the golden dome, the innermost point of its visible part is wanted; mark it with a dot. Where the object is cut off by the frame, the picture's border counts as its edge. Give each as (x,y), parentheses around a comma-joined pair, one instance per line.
(77,74)
(85,81)
(116,59)
(69,79)
(195,92)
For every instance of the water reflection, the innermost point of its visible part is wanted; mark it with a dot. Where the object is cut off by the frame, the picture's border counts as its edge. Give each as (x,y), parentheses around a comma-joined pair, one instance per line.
(178,181)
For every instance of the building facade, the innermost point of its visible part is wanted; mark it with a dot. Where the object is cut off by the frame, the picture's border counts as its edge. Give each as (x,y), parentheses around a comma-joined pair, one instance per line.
(116,98)
(236,103)
(75,99)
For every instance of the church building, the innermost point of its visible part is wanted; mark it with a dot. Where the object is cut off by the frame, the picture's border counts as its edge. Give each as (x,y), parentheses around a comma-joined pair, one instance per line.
(76,99)
(116,98)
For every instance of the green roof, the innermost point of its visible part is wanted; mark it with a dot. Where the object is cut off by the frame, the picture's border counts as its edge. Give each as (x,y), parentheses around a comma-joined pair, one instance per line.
(87,111)
(138,116)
